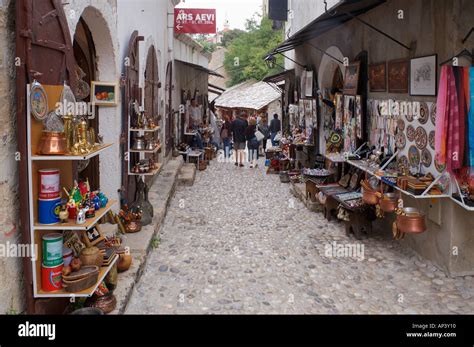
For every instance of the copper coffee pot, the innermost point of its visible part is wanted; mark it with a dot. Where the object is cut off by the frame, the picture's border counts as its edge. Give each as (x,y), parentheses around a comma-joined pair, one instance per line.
(52,143)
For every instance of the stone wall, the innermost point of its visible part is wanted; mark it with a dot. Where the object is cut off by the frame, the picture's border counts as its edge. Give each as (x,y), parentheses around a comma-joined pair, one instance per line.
(11,270)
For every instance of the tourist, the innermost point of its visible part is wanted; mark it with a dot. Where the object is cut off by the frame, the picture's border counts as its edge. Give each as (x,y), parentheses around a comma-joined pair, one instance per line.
(252,142)
(263,128)
(226,132)
(239,125)
(275,127)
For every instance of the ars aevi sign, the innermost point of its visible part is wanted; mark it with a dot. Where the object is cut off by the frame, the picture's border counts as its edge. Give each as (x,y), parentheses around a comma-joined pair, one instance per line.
(194,21)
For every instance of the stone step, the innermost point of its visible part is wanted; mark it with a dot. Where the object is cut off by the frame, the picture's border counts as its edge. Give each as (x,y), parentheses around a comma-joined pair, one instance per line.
(187,174)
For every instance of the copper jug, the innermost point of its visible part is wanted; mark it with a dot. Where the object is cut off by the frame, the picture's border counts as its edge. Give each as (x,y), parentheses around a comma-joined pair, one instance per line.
(52,143)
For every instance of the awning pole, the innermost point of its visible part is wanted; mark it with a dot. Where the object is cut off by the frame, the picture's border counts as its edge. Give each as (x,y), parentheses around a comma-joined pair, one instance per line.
(294,61)
(378,30)
(326,53)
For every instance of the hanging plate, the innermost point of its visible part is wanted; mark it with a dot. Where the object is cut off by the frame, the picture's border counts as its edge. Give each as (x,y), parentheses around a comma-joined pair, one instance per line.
(431,139)
(400,140)
(401,124)
(421,138)
(426,158)
(433,113)
(413,156)
(439,167)
(424,113)
(38,101)
(83,90)
(410,133)
(335,139)
(54,122)
(402,163)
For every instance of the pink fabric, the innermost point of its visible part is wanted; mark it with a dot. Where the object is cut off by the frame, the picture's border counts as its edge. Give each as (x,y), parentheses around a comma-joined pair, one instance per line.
(453,146)
(441,118)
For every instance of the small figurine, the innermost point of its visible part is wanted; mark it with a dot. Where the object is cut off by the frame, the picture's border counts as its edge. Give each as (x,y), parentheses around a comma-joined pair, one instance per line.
(103,199)
(95,200)
(81,216)
(63,214)
(71,209)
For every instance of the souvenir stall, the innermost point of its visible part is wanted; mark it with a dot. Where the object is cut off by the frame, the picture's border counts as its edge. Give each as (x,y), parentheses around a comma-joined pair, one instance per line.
(72,256)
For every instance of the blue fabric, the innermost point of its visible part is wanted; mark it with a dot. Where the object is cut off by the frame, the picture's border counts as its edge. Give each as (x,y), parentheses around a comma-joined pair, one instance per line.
(471,119)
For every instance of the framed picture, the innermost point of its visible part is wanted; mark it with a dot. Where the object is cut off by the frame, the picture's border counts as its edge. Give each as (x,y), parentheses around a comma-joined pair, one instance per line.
(398,76)
(104,93)
(93,236)
(378,77)
(351,78)
(308,90)
(424,75)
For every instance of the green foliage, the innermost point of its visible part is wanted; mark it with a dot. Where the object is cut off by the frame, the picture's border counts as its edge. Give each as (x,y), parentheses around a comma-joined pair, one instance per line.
(248,49)
(230,36)
(155,242)
(202,40)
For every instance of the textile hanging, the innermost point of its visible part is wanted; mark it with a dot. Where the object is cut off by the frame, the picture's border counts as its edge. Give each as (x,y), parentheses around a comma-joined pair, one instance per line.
(471,119)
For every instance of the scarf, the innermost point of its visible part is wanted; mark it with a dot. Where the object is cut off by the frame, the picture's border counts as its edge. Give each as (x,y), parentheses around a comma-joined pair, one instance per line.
(453,149)
(471,119)
(441,117)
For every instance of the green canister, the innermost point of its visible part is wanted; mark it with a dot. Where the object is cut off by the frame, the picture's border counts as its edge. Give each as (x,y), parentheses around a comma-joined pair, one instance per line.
(52,249)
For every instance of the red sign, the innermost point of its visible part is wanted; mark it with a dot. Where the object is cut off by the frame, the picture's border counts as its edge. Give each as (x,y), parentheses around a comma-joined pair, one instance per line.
(194,21)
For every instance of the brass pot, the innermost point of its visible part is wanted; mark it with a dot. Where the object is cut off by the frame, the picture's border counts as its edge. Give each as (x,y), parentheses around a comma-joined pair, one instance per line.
(124,262)
(411,220)
(52,143)
(370,197)
(388,202)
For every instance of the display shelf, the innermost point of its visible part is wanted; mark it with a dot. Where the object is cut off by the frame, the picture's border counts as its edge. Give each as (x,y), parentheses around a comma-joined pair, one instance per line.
(152,173)
(464,206)
(157,148)
(73,157)
(73,226)
(335,157)
(62,293)
(372,173)
(146,130)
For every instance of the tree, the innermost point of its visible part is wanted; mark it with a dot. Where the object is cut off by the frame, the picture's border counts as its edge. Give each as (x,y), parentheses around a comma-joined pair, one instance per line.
(205,42)
(244,59)
(230,36)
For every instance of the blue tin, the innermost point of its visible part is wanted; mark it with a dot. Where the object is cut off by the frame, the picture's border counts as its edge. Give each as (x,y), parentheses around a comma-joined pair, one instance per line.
(48,210)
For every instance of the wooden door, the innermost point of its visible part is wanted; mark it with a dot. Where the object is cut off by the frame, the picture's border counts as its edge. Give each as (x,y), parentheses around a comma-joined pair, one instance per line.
(169,140)
(131,93)
(44,49)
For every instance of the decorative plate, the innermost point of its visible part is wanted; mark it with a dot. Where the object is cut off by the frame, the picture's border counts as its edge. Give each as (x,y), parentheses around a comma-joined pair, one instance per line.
(354,181)
(83,90)
(401,124)
(413,156)
(402,163)
(426,158)
(38,101)
(54,122)
(421,139)
(410,133)
(431,139)
(335,139)
(433,113)
(424,113)
(400,140)
(439,167)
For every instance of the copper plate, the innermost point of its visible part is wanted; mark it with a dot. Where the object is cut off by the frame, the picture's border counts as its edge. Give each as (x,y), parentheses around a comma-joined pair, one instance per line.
(410,133)
(426,158)
(431,139)
(439,167)
(433,113)
(424,113)
(413,156)
(421,139)
(400,140)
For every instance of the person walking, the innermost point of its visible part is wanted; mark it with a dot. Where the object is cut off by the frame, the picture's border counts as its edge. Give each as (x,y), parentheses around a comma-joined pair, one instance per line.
(239,125)
(226,133)
(252,142)
(275,127)
(265,130)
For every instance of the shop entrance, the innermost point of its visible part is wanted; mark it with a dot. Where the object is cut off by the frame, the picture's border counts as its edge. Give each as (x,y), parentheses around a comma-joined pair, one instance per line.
(169,108)
(85,54)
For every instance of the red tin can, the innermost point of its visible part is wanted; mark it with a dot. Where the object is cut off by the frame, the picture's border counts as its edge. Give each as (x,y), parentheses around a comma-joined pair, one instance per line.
(51,278)
(49,183)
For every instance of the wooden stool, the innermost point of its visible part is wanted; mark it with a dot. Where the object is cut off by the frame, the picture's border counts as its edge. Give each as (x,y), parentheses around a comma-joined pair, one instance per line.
(209,153)
(311,191)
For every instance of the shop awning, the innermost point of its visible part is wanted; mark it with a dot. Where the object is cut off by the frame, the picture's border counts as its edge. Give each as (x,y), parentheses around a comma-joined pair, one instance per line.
(249,95)
(281,76)
(335,16)
(199,67)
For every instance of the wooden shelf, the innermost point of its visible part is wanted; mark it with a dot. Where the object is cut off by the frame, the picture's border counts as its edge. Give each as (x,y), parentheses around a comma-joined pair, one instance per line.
(152,173)
(157,148)
(74,226)
(72,157)
(146,130)
(62,293)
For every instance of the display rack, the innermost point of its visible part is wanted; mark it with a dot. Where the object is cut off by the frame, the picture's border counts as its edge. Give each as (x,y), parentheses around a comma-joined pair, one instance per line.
(65,164)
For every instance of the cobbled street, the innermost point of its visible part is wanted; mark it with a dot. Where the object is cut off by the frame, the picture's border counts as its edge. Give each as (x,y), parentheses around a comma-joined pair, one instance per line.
(238,242)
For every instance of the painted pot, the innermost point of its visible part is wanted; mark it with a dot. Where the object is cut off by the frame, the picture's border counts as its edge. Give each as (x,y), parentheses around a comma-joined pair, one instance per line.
(51,277)
(48,210)
(52,249)
(49,183)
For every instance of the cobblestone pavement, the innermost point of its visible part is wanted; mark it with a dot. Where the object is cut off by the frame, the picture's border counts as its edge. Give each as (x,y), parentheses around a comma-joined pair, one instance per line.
(239,242)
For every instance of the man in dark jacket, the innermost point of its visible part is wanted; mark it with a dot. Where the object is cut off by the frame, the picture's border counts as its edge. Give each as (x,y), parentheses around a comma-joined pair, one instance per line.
(275,127)
(238,131)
